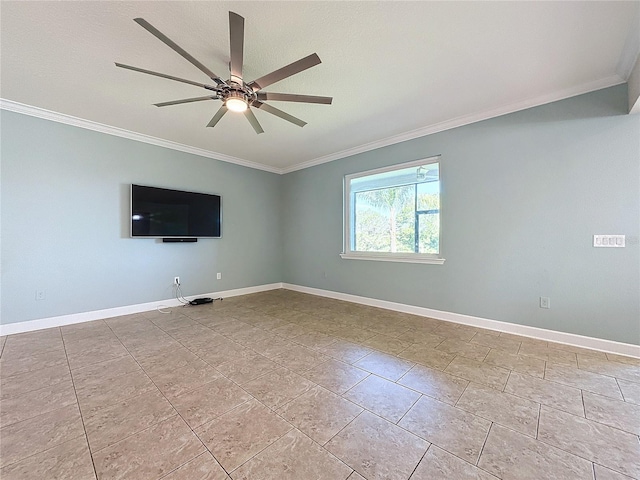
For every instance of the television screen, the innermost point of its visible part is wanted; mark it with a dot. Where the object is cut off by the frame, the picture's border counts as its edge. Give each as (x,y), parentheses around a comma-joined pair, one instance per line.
(160,212)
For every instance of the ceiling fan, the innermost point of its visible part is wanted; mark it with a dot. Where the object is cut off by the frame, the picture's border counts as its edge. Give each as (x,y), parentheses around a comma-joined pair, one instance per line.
(236,95)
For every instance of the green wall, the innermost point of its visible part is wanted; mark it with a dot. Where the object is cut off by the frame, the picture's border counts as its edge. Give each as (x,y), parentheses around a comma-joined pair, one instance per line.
(65,222)
(522,196)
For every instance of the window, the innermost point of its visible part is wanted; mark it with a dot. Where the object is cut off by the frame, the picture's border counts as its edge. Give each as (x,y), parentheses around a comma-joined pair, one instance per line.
(393,213)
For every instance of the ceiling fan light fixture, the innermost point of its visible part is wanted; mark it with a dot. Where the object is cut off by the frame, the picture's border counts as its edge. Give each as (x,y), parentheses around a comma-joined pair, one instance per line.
(236,104)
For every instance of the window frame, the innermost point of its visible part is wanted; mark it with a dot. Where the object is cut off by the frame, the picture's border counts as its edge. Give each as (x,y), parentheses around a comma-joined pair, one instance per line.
(404,257)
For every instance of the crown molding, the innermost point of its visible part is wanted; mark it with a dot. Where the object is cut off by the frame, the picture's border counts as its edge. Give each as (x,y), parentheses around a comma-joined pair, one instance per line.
(38,112)
(461,121)
(630,51)
(606,82)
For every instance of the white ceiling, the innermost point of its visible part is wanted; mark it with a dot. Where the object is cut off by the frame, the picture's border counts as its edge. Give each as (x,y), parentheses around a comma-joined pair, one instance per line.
(396,70)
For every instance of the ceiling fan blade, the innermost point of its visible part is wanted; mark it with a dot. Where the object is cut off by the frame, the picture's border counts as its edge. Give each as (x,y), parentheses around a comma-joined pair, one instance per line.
(186,100)
(278,113)
(253,121)
(284,72)
(216,118)
(236,42)
(163,75)
(290,97)
(177,48)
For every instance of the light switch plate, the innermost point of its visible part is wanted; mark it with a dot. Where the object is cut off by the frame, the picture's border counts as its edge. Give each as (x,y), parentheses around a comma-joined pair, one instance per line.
(614,241)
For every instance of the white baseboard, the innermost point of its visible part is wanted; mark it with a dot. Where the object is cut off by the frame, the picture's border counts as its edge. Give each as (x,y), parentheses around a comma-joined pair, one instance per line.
(608,346)
(524,330)
(59,321)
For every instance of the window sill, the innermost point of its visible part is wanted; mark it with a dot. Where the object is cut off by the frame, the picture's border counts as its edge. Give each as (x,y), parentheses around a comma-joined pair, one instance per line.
(392,258)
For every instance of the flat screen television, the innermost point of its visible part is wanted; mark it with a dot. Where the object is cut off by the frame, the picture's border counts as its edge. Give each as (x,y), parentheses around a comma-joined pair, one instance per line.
(164,213)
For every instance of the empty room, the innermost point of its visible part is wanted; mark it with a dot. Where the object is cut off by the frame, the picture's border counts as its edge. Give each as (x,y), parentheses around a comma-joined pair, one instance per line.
(323,240)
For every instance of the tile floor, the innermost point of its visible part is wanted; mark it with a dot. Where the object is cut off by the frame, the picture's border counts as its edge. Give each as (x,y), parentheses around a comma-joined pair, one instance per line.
(282,385)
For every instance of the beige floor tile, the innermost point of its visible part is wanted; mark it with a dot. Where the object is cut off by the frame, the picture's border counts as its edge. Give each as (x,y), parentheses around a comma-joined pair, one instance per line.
(271,345)
(104,372)
(387,344)
(509,454)
(299,359)
(630,391)
(556,395)
(209,401)
(434,383)
(356,476)
(615,413)
(455,346)
(203,467)
(37,434)
(579,350)
(377,449)
(106,340)
(438,464)
(96,353)
(427,356)
(293,457)
(603,473)
(124,412)
(198,336)
(423,338)
(319,413)
(450,428)
(289,330)
(241,433)
(222,352)
(385,365)
(278,387)
(150,345)
(479,372)
(36,402)
(74,334)
(547,354)
(519,363)
(382,397)
(229,328)
(99,394)
(176,381)
(71,460)
(456,330)
(248,336)
(268,322)
(585,380)
(149,454)
(623,359)
(354,334)
(247,368)
(503,344)
(336,376)
(20,346)
(167,359)
(594,441)
(508,410)
(27,382)
(346,351)
(624,371)
(315,340)
(111,424)
(10,366)
(172,321)
(392,329)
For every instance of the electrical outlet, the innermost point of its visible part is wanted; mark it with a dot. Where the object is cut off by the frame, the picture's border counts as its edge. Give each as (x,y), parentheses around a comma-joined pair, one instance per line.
(545,302)
(219,276)
(40,295)
(176,281)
